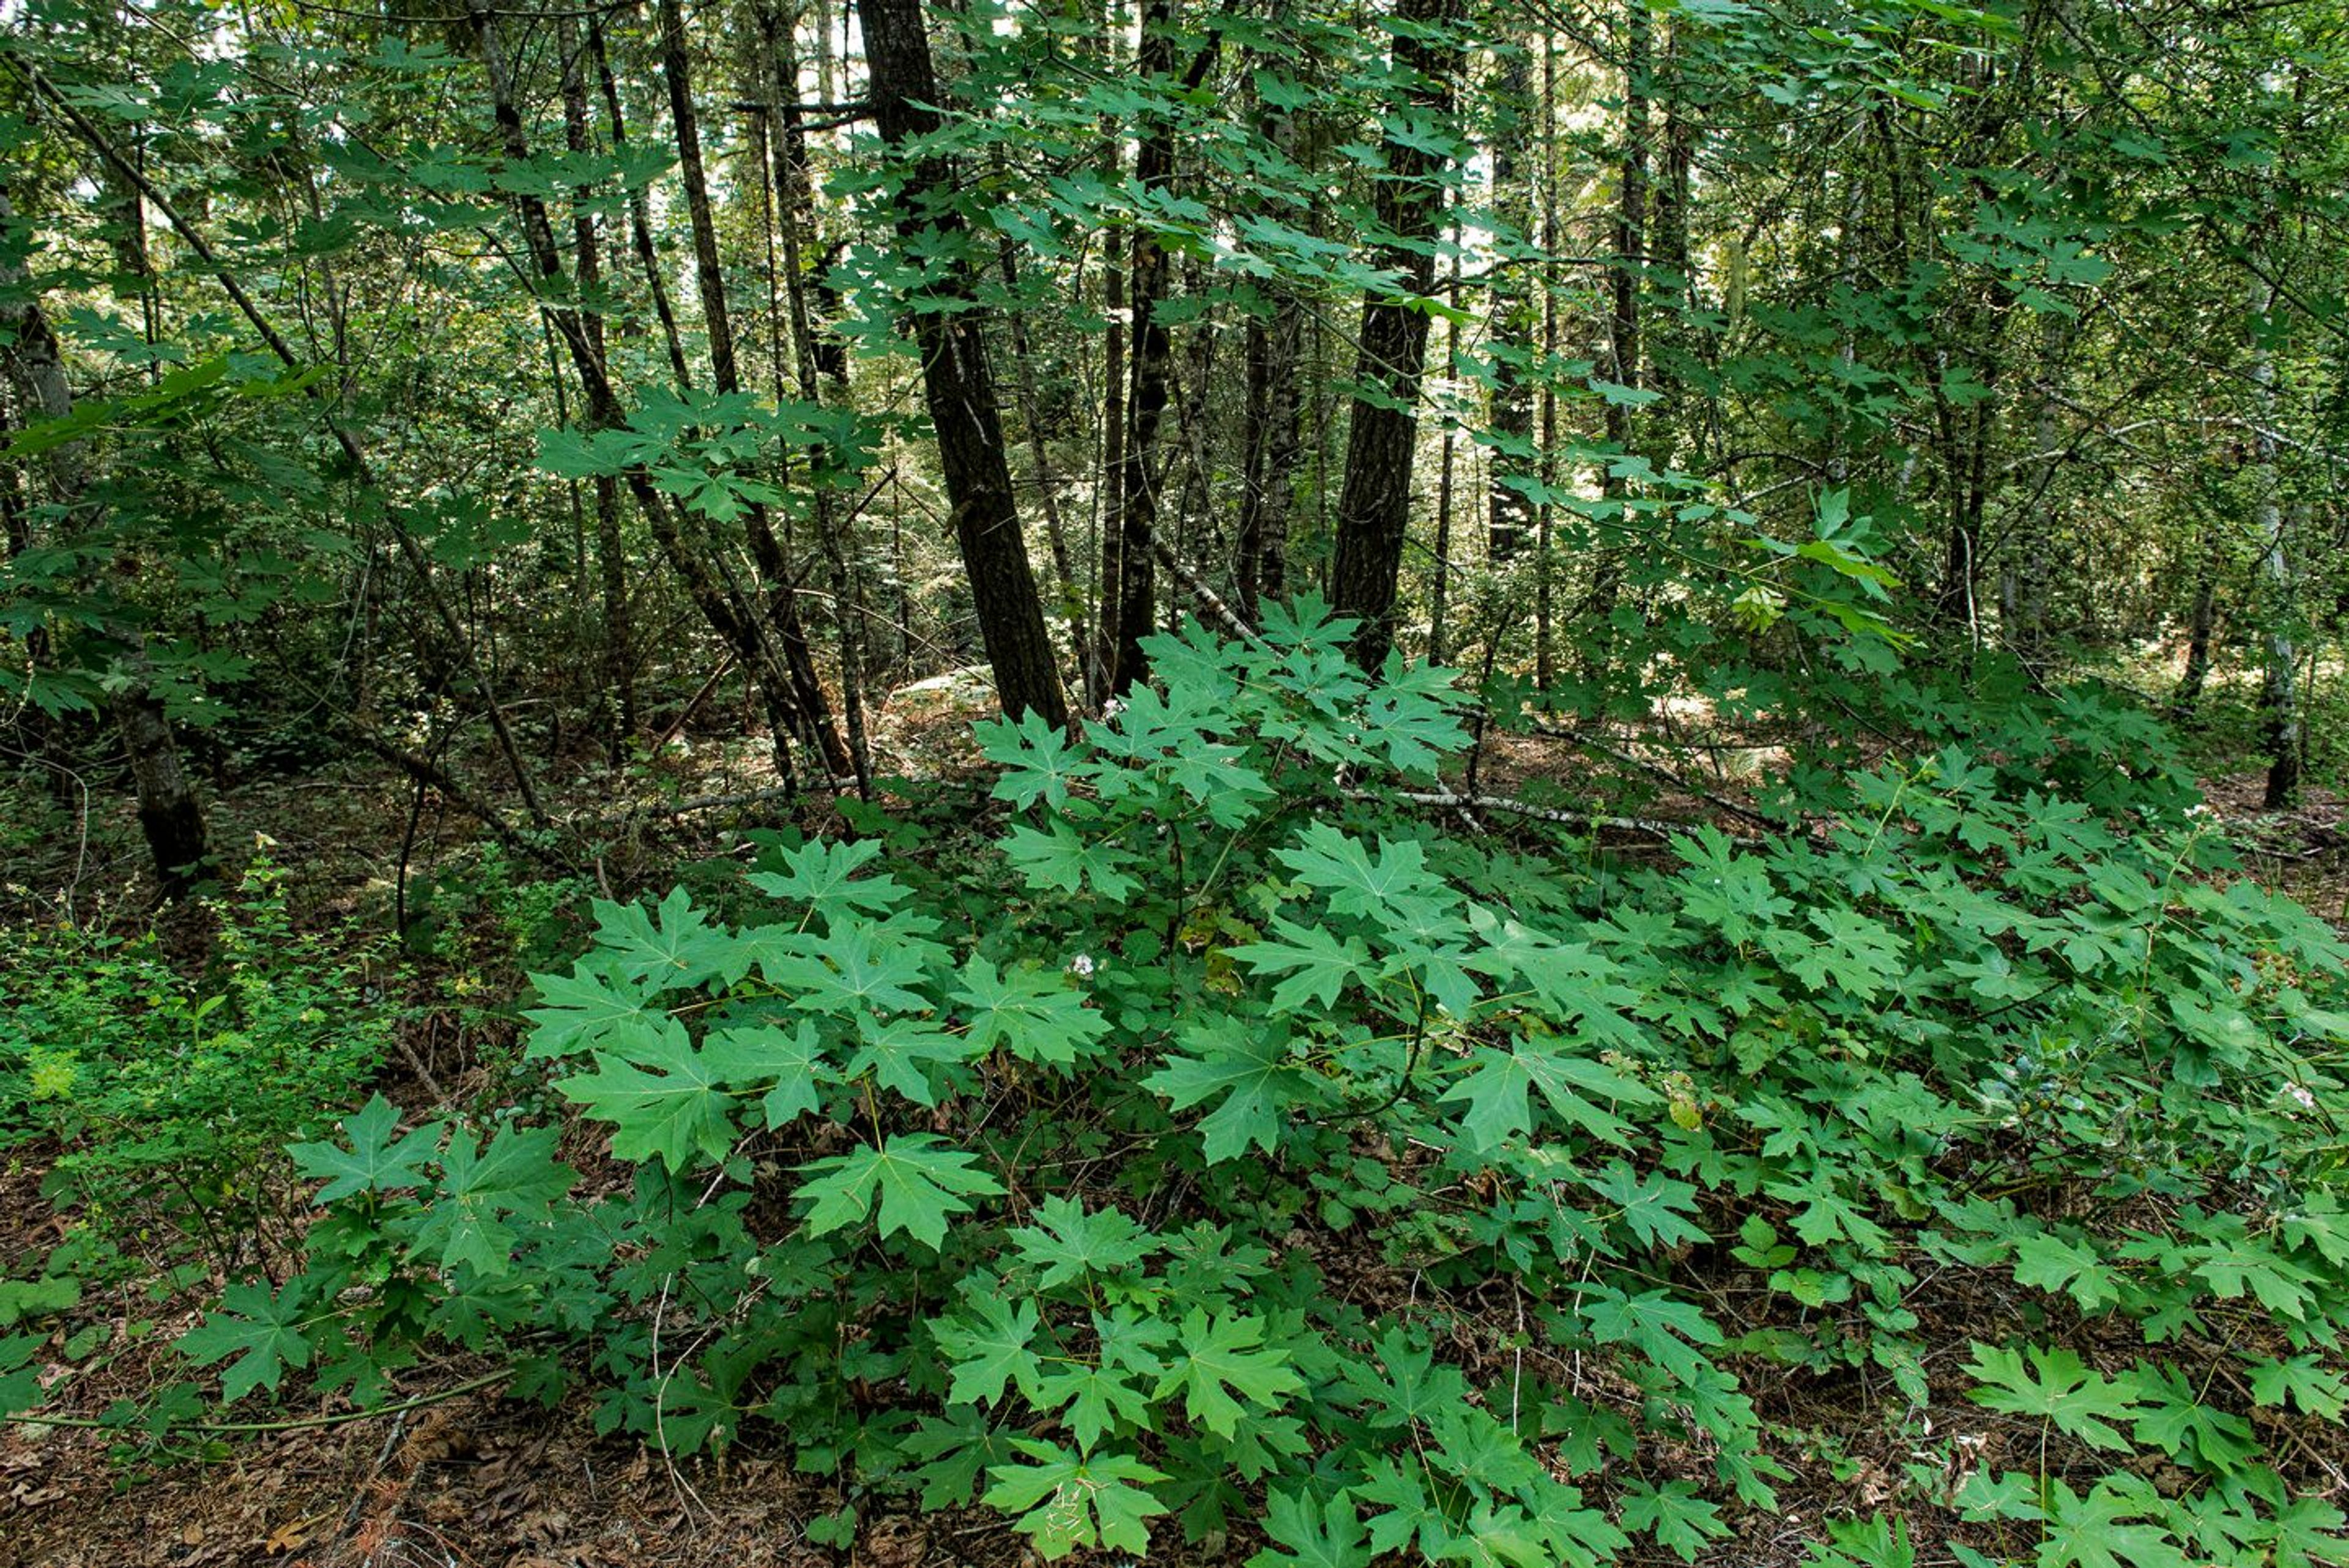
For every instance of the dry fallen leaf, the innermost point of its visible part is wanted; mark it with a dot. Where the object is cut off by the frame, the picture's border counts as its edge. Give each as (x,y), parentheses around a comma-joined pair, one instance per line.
(293,1533)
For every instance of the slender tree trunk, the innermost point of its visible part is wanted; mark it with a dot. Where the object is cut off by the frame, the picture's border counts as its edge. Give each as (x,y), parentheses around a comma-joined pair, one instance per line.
(809,709)
(611,553)
(2280,680)
(640,223)
(727,610)
(1544,515)
(2279,683)
(1048,489)
(1629,283)
(1269,444)
(1375,504)
(1147,285)
(957,382)
(170,813)
(2203,622)
(794,198)
(1512,320)
(1439,593)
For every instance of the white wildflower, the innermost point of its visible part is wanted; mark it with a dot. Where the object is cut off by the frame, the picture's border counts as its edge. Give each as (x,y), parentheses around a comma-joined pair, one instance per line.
(1081,966)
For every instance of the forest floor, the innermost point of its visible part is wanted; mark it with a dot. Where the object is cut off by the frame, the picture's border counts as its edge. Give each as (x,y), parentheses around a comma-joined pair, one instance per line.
(478,1481)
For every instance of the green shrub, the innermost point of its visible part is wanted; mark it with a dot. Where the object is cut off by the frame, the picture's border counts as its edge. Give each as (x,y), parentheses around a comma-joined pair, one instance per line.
(1247,1144)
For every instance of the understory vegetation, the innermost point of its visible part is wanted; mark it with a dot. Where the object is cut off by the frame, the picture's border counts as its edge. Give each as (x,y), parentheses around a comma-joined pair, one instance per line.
(1315,783)
(1154,1166)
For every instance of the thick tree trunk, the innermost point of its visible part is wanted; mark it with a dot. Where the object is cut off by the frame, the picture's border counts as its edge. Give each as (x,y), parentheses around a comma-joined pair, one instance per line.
(170,814)
(1375,504)
(957,383)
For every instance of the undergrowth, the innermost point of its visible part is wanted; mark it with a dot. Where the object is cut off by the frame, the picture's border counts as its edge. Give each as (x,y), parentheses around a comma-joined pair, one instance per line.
(1129,1176)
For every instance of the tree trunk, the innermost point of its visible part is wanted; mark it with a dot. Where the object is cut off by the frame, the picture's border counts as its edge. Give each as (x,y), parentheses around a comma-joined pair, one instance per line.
(1512,318)
(808,708)
(1048,489)
(1145,405)
(640,223)
(1270,442)
(1439,593)
(1631,246)
(2278,681)
(1544,513)
(170,813)
(2202,623)
(1374,504)
(794,199)
(611,553)
(729,611)
(957,383)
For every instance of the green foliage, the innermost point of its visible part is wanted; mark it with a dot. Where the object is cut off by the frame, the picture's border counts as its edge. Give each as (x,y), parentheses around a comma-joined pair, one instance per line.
(161,1102)
(1072,1169)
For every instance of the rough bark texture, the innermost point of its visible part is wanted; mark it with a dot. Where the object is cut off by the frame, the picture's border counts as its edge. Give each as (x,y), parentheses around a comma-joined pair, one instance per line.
(1374,506)
(957,383)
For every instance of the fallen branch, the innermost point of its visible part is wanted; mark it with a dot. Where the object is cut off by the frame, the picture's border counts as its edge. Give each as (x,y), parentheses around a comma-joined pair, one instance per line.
(424,770)
(650,810)
(1657,770)
(1659,827)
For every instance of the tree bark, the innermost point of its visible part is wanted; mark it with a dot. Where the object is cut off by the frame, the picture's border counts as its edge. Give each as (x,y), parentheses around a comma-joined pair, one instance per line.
(957,382)
(1269,443)
(1374,504)
(1137,584)
(170,813)
(808,708)
(1512,318)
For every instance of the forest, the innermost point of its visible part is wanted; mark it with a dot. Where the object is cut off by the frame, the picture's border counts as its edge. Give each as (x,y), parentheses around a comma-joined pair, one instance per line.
(1304,784)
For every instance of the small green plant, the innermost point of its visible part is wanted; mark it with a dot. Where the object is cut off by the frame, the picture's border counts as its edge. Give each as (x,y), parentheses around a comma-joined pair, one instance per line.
(165,1104)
